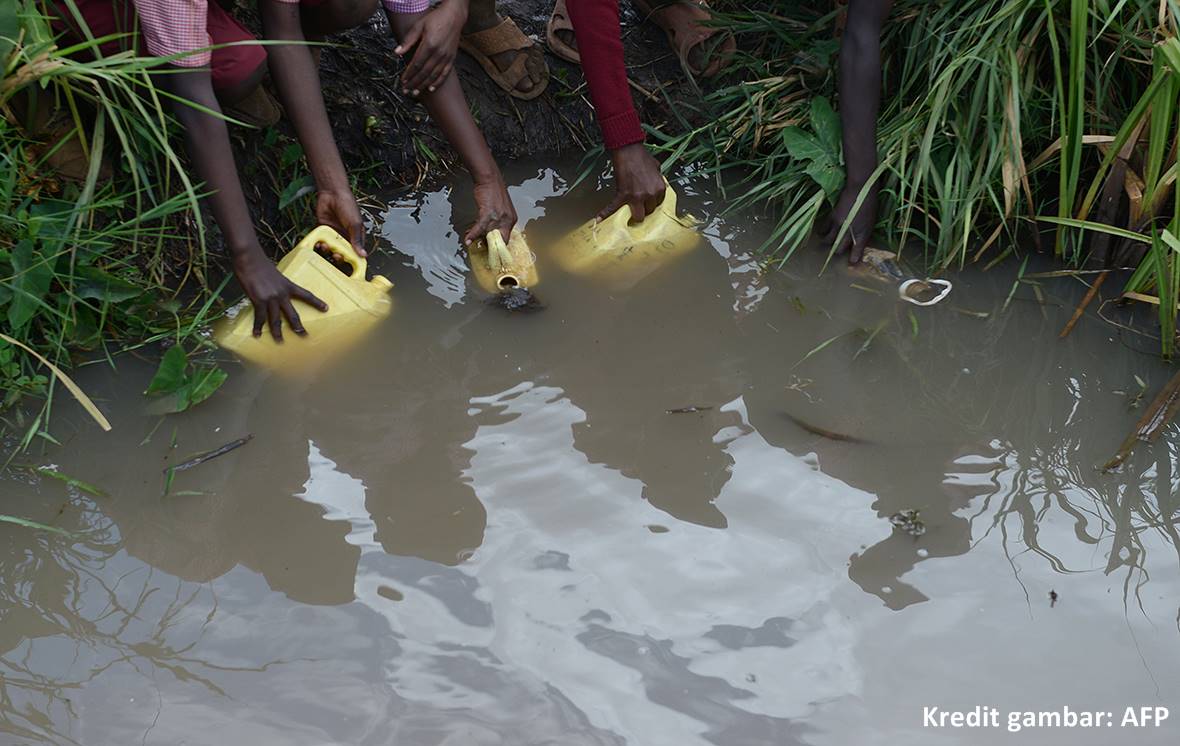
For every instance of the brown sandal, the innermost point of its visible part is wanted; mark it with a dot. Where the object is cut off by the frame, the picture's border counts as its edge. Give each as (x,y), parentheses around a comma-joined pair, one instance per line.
(503,37)
(720,52)
(559,20)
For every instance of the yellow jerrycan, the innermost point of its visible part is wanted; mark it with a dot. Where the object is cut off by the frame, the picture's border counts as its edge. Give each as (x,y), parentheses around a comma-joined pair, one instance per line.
(624,254)
(354,307)
(500,267)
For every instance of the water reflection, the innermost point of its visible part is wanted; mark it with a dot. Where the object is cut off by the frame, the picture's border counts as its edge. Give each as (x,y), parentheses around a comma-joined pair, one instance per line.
(485,528)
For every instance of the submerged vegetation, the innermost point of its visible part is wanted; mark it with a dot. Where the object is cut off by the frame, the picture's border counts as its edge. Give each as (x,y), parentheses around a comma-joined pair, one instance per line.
(999,119)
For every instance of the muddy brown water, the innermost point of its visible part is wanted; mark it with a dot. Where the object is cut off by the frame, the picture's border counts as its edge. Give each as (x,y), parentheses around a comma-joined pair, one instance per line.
(483,528)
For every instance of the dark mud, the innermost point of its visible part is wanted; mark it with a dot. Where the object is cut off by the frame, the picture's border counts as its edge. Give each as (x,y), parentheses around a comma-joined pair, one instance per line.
(389,143)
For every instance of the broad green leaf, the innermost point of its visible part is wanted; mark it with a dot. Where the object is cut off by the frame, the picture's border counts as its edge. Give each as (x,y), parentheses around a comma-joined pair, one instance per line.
(828,175)
(296,189)
(29,285)
(200,387)
(801,145)
(826,124)
(169,376)
(94,284)
(291,155)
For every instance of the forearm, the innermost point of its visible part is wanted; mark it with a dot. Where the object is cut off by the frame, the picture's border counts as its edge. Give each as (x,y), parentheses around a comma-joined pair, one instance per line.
(449,110)
(860,86)
(596,27)
(295,76)
(207,141)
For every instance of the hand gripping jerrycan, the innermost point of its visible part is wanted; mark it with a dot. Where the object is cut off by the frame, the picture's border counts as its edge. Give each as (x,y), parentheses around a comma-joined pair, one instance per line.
(623,253)
(500,267)
(354,307)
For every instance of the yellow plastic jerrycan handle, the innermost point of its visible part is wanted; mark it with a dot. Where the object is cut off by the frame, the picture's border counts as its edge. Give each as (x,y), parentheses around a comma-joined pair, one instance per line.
(337,244)
(621,218)
(624,253)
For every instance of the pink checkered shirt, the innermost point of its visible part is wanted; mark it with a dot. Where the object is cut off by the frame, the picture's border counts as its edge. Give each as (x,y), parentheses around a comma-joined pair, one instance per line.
(179,26)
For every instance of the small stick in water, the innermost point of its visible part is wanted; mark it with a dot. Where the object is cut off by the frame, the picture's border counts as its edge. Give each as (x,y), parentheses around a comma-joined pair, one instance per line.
(687,410)
(823,432)
(210,455)
(1151,424)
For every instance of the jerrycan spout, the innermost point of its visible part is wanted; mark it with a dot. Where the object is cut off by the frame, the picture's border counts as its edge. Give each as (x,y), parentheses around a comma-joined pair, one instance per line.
(501,267)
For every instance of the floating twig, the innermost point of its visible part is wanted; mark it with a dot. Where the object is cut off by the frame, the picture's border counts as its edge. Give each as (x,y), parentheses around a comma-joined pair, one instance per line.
(687,410)
(210,455)
(1077,314)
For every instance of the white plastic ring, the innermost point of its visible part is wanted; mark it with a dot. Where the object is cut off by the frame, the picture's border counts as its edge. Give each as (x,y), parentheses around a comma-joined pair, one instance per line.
(944,284)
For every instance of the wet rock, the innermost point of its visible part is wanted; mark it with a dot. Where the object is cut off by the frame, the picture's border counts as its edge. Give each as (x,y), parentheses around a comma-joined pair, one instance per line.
(909,522)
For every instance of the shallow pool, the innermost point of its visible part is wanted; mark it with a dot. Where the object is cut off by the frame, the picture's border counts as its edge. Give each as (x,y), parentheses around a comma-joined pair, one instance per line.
(487,528)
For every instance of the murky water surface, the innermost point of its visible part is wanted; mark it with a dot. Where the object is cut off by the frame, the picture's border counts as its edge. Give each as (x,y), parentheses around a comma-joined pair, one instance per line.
(486,529)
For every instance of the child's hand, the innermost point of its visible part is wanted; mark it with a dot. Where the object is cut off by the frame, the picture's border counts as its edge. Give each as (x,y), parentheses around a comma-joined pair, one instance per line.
(434,38)
(271,294)
(495,211)
(638,182)
(856,239)
(338,210)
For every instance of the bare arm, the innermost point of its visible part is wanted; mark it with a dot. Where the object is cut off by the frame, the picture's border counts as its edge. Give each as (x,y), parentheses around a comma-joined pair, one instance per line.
(207,141)
(294,72)
(444,99)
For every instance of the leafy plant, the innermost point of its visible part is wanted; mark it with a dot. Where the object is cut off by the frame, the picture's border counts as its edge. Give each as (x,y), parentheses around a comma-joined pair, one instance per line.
(180,384)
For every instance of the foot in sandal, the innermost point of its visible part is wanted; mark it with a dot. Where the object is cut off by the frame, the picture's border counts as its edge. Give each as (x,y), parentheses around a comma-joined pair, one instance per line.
(559,34)
(511,59)
(703,49)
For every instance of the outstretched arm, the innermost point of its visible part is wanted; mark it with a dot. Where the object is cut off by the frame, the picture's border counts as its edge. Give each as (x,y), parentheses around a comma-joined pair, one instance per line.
(638,181)
(437,86)
(860,100)
(294,72)
(207,141)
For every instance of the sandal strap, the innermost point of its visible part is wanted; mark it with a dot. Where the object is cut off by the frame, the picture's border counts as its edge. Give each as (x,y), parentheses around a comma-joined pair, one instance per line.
(503,37)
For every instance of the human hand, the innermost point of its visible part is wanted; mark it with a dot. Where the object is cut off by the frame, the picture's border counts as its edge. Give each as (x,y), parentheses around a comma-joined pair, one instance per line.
(271,293)
(857,237)
(638,182)
(338,210)
(434,38)
(495,210)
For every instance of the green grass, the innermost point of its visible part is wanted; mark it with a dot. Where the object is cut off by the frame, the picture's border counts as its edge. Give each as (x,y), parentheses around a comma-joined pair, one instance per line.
(995,114)
(87,268)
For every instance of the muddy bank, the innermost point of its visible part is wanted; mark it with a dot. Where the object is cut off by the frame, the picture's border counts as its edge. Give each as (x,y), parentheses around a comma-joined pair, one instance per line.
(387,139)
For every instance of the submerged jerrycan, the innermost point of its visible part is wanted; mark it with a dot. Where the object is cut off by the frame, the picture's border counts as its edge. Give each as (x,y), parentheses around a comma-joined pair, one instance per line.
(624,253)
(354,306)
(500,267)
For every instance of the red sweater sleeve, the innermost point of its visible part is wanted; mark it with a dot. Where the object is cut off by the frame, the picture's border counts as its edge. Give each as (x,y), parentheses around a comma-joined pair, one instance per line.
(600,43)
